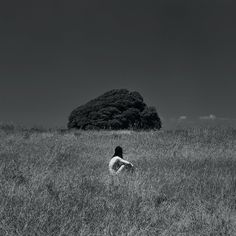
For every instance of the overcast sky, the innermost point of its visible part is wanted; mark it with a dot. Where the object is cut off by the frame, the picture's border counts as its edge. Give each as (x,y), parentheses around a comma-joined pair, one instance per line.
(57,55)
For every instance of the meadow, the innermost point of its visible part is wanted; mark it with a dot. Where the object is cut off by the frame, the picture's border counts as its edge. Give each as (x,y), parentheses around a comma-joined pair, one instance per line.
(57,183)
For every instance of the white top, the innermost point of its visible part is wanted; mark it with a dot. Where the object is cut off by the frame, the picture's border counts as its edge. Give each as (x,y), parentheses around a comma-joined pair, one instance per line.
(116,165)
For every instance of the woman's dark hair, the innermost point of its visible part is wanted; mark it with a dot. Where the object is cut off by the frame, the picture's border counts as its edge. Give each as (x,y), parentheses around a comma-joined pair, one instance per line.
(118,152)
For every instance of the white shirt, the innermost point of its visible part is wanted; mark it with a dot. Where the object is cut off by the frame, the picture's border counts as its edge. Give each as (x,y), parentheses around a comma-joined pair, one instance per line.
(116,165)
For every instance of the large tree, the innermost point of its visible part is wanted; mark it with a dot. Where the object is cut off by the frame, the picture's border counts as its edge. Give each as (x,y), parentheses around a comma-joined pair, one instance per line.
(116,109)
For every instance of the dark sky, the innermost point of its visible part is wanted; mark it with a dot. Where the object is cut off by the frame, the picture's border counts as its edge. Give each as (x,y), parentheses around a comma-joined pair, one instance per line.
(57,55)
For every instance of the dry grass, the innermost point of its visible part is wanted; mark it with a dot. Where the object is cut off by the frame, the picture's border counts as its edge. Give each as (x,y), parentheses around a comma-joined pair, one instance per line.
(54,183)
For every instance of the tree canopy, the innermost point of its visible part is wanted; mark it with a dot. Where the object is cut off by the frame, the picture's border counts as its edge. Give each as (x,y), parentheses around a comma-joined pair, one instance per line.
(115,109)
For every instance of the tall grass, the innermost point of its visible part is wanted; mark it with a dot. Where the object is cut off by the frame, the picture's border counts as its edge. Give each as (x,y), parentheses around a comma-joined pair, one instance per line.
(57,183)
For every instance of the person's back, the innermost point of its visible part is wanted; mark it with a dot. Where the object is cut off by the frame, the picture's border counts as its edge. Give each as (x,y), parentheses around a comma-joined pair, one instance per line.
(117,164)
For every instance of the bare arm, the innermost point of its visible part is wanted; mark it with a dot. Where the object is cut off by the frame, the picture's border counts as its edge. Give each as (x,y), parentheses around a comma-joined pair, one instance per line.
(123,161)
(121,168)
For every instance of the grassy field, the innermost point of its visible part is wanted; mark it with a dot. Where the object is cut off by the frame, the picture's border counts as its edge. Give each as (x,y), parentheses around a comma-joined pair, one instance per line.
(54,183)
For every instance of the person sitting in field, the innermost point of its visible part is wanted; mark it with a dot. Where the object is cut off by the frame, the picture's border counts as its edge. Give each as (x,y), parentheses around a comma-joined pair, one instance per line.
(117,164)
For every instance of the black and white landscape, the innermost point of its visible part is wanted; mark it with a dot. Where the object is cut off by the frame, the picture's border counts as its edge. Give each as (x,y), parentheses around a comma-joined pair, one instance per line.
(79,78)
